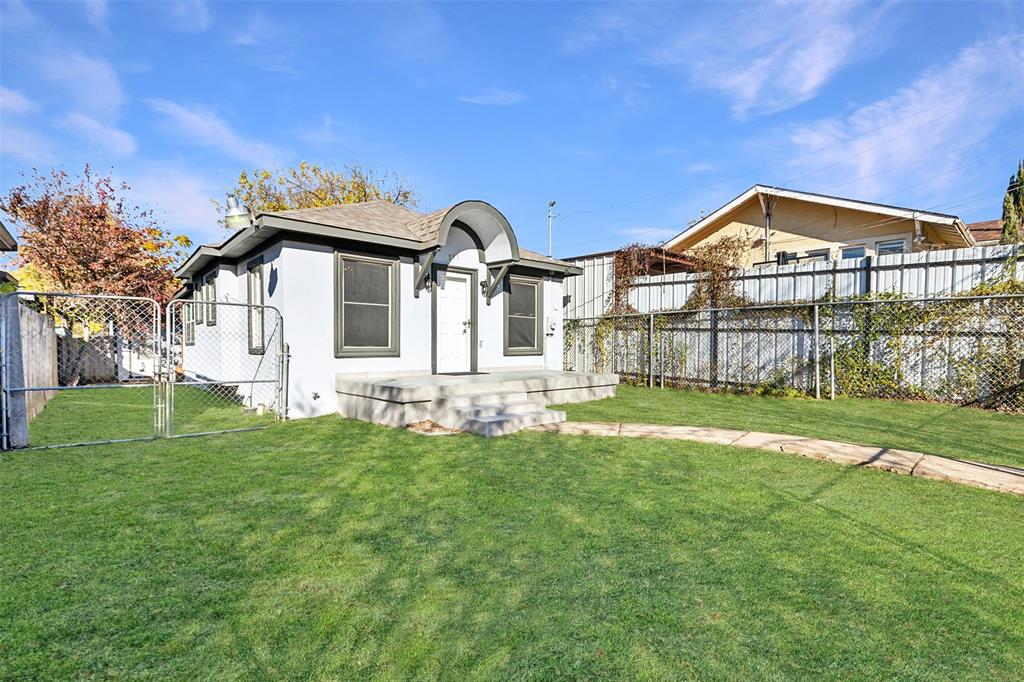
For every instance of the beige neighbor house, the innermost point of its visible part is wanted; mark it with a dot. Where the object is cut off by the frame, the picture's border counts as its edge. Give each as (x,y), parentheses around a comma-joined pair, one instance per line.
(787,226)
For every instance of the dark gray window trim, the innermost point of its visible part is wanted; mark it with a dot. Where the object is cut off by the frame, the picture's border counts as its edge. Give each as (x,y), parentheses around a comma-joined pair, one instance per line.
(393,350)
(474,293)
(210,287)
(254,269)
(538,347)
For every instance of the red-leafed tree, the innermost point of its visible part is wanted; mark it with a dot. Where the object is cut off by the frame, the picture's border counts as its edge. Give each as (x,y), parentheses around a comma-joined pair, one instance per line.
(81,234)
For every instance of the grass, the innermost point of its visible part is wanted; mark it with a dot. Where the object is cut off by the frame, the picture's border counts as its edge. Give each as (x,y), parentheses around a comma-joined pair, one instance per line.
(963,432)
(117,413)
(333,549)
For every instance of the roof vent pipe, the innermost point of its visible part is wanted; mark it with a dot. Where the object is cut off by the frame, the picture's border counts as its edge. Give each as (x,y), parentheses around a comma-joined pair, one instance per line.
(237,216)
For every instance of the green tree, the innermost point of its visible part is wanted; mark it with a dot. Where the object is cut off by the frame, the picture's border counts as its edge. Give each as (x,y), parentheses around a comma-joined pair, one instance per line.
(1013,209)
(313,186)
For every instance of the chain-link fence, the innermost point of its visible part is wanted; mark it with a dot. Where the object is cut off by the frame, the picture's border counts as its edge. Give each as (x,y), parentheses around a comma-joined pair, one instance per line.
(966,350)
(64,354)
(226,364)
(82,369)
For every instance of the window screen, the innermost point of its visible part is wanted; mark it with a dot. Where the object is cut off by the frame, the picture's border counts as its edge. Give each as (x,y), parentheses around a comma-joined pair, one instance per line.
(522,317)
(189,323)
(366,306)
(890,247)
(211,298)
(254,291)
(200,296)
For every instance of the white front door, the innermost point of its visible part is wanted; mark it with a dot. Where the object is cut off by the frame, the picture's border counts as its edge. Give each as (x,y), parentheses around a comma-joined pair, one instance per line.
(454,322)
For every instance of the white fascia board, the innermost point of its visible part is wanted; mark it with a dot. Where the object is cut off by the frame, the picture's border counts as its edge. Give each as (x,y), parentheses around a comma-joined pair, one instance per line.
(852,204)
(700,224)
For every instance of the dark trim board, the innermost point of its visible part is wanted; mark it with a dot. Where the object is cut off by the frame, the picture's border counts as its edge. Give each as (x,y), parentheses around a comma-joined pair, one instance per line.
(394,263)
(474,340)
(539,338)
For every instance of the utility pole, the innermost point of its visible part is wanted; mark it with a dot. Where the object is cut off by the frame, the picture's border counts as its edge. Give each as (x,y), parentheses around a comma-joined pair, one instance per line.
(551,217)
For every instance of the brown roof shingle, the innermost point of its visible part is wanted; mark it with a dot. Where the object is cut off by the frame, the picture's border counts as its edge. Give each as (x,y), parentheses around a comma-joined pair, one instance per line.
(384,217)
(986,230)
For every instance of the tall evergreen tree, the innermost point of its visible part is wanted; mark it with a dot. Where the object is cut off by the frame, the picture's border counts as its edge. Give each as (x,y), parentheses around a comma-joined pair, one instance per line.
(1013,209)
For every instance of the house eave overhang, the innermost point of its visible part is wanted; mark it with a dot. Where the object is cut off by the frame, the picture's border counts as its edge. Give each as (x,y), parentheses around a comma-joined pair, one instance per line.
(954,225)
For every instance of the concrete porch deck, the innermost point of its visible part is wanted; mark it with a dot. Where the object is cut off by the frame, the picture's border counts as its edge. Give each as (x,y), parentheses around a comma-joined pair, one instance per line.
(489,404)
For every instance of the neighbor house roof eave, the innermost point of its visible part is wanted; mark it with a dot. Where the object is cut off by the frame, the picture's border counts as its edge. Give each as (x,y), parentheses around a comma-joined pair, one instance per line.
(853,204)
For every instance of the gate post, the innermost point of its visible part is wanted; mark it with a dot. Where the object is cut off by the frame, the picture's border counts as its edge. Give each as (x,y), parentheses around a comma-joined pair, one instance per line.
(817,355)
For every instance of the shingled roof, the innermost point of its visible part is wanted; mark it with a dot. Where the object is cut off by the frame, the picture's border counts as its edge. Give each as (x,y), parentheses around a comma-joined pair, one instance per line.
(386,218)
(988,231)
(403,226)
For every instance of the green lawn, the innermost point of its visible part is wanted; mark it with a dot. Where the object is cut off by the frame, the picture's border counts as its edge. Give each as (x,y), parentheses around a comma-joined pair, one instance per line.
(964,432)
(332,549)
(87,415)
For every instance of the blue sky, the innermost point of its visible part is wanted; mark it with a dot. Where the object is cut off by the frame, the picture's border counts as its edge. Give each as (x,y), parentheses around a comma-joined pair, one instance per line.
(634,117)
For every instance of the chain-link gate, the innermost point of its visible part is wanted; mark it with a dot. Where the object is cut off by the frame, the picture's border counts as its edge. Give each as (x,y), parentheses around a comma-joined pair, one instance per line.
(79,369)
(226,366)
(90,369)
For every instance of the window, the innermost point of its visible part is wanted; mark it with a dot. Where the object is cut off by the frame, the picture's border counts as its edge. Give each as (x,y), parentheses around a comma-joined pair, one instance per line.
(852,251)
(365,306)
(817,256)
(890,247)
(254,297)
(210,287)
(523,308)
(199,296)
(188,323)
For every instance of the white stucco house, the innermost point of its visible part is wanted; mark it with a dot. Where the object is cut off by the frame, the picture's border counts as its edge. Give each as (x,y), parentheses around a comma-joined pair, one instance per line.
(394,316)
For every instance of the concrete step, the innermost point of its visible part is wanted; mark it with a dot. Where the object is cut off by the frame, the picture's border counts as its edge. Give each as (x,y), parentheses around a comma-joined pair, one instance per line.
(503,407)
(451,402)
(503,424)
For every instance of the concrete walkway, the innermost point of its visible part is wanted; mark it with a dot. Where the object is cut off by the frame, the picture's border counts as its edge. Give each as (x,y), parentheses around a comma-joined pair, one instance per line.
(993,477)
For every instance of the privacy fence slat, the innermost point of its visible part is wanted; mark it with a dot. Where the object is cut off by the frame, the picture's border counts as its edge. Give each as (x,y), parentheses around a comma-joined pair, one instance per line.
(924,274)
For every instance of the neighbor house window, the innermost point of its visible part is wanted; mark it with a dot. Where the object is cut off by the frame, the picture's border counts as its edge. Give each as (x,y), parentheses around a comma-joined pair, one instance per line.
(852,251)
(817,256)
(254,297)
(188,327)
(365,306)
(890,247)
(523,307)
(210,287)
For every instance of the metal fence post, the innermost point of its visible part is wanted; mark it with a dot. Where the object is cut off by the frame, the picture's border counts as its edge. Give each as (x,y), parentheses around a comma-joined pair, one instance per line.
(817,355)
(650,351)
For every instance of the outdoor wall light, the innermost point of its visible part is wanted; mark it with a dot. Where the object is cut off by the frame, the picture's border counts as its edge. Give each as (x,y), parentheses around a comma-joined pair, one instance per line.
(237,216)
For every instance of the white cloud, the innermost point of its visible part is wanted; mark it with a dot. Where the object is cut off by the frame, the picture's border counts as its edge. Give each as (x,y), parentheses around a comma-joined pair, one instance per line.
(23,143)
(96,12)
(630,89)
(192,16)
(778,54)
(180,198)
(111,140)
(91,83)
(319,135)
(499,98)
(204,128)
(916,134)
(764,57)
(14,103)
(257,30)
